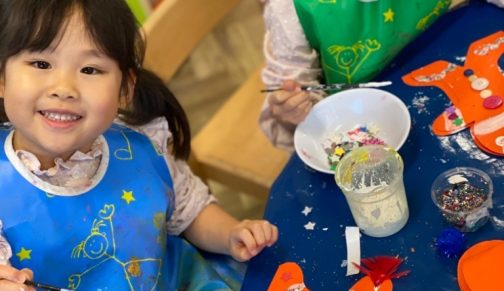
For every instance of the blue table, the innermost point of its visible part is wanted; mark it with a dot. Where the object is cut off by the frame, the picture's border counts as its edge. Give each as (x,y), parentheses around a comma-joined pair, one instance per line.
(321,252)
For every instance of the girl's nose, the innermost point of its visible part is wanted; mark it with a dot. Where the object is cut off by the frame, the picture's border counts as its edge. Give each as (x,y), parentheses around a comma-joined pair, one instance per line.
(64,87)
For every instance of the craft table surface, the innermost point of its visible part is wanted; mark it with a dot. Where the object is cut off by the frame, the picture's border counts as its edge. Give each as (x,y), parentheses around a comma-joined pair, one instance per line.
(320,252)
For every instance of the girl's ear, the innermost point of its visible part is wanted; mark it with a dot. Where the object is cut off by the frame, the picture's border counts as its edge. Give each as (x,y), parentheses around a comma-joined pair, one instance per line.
(130,86)
(128,90)
(2,87)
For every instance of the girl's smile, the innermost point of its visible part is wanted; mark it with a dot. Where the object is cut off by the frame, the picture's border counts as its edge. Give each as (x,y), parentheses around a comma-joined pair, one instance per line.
(60,119)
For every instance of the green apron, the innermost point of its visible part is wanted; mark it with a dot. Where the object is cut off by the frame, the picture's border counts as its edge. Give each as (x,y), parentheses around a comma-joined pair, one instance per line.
(358,38)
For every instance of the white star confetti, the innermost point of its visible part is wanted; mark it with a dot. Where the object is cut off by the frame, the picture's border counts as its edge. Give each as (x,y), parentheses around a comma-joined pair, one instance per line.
(306,210)
(310,225)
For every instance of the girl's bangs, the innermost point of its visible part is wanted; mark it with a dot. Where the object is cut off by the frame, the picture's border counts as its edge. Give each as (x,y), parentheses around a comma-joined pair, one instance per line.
(35,28)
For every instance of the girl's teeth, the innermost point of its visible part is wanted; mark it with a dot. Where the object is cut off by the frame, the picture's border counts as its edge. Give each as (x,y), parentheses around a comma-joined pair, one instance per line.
(59,116)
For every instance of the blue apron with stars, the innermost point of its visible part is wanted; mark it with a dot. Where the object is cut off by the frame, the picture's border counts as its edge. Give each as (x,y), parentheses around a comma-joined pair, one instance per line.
(112,237)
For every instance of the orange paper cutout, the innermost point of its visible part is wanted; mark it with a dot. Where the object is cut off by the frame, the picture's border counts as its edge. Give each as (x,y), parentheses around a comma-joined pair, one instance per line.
(467,87)
(288,277)
(366,284)
(473,251)
(479,269)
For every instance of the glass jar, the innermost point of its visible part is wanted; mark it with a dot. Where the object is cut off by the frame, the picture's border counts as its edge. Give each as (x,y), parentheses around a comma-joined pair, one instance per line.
(371,178)
(463,195)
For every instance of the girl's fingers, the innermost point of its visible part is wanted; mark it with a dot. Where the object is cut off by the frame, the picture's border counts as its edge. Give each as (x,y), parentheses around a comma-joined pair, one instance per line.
(269,231)
(13,279)
(297,102)
(290,85)
(290,89)
(258,232)
(248,240)
(274,235)
(26,274)
(16,283)
(243,245)
(301,115)
(280,98)
(8,273)
(284,111)
(251,238)
(266,233)
(263,233)
(290,105)
(287,101)
(7,285)
(296,116)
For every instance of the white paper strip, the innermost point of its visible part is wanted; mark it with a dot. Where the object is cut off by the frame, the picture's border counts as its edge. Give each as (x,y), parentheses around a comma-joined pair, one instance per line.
(352,236)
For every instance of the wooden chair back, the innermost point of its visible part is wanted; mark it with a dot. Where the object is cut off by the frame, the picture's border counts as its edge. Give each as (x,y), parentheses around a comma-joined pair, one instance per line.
(232,149)
(176,27)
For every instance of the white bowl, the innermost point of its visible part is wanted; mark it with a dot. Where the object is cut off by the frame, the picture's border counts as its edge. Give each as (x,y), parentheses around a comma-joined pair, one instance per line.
(344,111)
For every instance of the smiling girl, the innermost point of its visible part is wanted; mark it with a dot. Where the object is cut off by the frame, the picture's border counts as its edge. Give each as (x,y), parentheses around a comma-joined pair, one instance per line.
(89,196)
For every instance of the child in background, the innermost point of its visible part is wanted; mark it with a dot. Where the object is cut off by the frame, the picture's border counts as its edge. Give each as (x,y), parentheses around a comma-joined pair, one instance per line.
(88,200)
(332,41)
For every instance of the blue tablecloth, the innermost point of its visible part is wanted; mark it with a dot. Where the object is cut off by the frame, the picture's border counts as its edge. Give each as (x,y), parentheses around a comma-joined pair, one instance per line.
(320,252)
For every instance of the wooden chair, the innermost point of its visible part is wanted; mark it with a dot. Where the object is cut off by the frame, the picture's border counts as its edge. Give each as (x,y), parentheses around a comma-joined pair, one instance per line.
(230,148)
(176,27)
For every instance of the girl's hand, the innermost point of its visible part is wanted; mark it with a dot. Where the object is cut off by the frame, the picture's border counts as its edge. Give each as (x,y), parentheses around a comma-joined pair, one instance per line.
(12,279)
(291,105)
(249,237)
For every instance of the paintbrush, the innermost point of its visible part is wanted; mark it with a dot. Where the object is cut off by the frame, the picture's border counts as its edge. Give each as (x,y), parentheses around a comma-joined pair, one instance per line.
(337,86)
(45,287)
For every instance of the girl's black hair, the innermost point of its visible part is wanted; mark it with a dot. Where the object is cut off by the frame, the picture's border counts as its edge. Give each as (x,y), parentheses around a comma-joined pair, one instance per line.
(34,24)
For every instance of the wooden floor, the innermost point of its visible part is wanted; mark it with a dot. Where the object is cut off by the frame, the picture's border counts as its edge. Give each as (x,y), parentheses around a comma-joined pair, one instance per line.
(215,69)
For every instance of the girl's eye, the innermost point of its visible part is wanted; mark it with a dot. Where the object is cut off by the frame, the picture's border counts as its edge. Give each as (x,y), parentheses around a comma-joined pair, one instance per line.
(90,71)
(41,65)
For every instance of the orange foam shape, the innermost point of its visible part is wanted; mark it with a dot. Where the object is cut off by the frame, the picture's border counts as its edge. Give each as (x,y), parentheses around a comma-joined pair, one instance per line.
(366,284)
(482,58)
(475,252)
(288,276)
(483,272)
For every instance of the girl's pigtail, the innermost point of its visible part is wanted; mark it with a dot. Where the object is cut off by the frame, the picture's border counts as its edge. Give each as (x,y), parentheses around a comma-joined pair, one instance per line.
(151,99)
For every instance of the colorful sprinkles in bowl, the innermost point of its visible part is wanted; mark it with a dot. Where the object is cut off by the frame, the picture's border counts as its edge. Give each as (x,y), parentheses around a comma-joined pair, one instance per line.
(338,145)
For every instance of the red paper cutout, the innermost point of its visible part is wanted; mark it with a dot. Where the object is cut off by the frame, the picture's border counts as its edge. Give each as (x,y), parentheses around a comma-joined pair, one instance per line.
(288,277)
(467,87)
(379,272)
(381,268)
